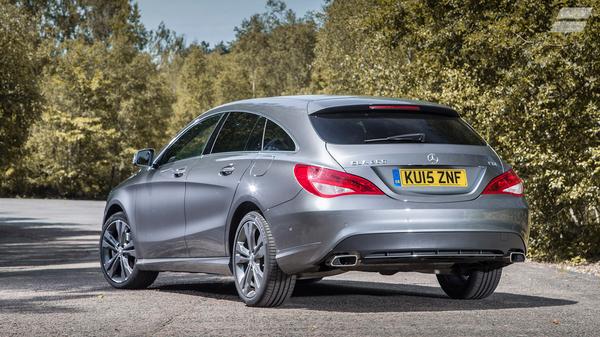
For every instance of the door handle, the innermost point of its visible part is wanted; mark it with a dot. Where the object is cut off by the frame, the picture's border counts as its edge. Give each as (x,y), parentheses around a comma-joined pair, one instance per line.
(227,170)
(179,172)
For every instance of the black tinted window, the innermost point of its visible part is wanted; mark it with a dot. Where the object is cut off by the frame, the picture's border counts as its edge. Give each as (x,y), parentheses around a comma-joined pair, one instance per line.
(192,142)
(276,139)
(235,132)
(369,126)
(254,143)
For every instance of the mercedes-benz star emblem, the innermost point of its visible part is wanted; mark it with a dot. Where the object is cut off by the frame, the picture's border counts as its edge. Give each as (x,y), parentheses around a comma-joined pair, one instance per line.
(432,158)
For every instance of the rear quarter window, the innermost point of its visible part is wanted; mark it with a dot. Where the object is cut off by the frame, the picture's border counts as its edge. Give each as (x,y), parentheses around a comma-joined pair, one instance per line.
(358,127)
(276,139)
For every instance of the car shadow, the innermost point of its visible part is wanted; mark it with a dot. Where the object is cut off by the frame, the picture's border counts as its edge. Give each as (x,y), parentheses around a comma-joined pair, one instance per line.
(31,242)
(358,296)
(41,304)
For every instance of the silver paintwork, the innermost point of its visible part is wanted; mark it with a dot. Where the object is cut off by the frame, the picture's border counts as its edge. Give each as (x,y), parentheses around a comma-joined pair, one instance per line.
(181,213)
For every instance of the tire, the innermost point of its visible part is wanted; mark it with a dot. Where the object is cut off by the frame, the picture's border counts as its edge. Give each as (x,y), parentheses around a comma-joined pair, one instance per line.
(117,244)
(471,286)
(253,253)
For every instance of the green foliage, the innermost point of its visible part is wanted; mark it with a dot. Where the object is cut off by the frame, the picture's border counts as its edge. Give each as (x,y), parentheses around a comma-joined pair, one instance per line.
(271,56)
(533,94)
(195,87)
(101,106)
(19,92)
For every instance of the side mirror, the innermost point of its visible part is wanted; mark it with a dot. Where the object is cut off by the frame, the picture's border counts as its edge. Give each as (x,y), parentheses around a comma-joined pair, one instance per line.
(143,158)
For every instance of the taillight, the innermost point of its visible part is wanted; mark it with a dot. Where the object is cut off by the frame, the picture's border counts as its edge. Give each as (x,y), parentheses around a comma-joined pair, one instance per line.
(329,183)
(506,183)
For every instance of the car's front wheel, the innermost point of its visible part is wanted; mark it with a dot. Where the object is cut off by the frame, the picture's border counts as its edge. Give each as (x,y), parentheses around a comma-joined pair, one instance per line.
(475,284)
(118,256)
(258,279)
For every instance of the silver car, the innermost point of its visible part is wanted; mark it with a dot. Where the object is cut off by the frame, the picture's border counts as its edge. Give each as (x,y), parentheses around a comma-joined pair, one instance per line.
(281,190)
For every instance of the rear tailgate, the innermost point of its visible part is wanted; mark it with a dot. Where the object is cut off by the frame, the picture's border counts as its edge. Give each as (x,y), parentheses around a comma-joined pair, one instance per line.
(384,164)
(416,153)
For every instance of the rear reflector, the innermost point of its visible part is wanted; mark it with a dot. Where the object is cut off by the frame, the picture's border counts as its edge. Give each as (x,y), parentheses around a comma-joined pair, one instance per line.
(329,183)
(395,107)
(506,183)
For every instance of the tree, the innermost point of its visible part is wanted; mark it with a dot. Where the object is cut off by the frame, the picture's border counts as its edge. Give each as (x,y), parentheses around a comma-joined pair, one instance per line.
(194,89)
(19,92)
(272,55)
(104,99)
(275,51)
(533,94)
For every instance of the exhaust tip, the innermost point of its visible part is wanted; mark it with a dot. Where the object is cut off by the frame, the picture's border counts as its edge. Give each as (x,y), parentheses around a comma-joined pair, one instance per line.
(349,260)
(516,257)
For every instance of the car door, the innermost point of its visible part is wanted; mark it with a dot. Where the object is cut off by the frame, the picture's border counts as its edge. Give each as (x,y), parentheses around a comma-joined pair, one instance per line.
(160,202)
(213,181)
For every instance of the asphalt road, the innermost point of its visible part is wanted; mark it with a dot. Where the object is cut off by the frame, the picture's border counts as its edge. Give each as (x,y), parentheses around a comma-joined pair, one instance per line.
(50,284)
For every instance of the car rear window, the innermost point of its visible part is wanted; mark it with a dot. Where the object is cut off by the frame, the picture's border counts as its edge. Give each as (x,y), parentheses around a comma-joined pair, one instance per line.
(372,127)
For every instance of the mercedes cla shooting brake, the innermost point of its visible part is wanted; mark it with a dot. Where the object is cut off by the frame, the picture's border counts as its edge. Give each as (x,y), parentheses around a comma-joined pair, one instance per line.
(278,190)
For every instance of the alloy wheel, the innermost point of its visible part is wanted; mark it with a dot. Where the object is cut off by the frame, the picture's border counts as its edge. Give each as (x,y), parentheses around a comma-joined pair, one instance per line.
(249,258)
(118,252)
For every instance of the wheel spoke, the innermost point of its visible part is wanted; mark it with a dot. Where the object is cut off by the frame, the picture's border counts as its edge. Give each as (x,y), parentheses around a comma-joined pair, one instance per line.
(252,241)
(250,277)
(110,241)
(243,251)
(239,259)
(259,243)
(248,233)
(245,284)
(111,265)
(258,276)
(130,252)
(260,253)
(120,235)
(122,273)
(108,264)
(125,265)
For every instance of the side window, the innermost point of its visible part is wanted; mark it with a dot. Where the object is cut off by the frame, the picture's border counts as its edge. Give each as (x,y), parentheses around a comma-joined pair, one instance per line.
(192,142)
(276,139)
(235,132)
(255,141)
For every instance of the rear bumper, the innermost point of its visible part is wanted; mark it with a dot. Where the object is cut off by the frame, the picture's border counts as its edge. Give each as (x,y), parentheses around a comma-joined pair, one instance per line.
(432,247)
(381,231)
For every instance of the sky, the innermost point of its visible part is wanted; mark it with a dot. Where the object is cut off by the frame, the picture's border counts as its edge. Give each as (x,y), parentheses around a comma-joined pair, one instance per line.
(210,20)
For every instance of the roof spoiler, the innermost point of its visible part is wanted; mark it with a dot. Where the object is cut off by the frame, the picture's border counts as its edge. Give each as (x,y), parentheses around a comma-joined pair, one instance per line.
(415,108)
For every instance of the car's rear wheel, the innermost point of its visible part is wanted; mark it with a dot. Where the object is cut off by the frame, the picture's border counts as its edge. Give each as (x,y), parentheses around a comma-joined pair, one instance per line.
(470,285)
(258,279)
(118,256)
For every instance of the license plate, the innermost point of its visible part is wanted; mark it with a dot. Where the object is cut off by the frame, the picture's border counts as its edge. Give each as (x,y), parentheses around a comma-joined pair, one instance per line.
(430,177)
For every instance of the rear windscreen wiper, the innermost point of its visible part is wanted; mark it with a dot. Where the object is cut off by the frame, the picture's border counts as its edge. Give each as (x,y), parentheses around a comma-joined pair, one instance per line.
(407,137)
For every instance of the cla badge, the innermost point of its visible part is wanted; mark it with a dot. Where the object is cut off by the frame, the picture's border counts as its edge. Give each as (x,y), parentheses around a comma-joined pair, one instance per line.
(368,162)
(432,158)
